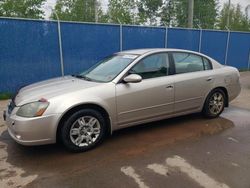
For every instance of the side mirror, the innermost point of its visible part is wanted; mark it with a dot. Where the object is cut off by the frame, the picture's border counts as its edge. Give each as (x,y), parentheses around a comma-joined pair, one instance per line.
(132,78)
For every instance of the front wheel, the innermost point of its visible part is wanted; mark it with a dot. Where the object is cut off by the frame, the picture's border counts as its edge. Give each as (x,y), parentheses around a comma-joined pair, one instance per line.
(83,130)
(215,104)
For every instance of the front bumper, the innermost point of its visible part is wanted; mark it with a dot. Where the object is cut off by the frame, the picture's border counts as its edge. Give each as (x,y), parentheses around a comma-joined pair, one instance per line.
(32,131)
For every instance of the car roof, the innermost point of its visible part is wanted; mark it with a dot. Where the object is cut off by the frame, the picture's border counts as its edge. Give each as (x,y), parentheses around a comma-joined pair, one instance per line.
(141,52)
(148,50)
(136,51)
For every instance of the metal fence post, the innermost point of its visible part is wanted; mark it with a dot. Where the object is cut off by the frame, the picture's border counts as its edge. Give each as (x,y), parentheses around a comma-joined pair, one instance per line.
(249,60)
(166,37)
(227,47)
(60,43)
(121,33)
(59,39)
(200,41)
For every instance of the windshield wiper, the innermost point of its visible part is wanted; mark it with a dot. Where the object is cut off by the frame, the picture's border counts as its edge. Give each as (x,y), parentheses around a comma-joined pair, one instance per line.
(82,77)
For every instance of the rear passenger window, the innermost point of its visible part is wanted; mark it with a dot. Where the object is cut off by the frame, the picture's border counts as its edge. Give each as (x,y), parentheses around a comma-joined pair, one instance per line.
(185,62)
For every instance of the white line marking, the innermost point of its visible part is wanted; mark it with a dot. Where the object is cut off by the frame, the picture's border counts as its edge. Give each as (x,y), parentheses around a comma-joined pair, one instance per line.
(233,139)
(130,171)
(235,164)
(159,169)
(12,176)
(200,177)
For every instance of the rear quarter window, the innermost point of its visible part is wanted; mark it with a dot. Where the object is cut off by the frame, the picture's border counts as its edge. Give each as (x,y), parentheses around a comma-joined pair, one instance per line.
(207,64)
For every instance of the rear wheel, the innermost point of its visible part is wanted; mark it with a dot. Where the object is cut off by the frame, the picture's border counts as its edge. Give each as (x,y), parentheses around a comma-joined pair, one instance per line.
(83,130)
(214,104)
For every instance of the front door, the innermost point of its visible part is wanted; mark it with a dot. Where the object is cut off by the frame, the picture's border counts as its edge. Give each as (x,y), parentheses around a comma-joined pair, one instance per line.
(152,97)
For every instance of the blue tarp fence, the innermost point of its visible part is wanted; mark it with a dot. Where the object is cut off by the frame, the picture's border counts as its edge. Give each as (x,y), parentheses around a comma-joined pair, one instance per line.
(29,49)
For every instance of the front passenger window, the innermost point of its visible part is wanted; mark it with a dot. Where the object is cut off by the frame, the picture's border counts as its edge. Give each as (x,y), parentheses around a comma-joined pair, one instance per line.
(153,66)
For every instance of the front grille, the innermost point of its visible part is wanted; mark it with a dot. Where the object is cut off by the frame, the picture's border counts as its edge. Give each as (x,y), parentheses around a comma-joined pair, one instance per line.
(11,106)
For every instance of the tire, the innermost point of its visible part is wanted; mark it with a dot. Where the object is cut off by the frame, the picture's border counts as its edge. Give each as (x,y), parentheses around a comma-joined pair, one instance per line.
(214,104)
(83,130)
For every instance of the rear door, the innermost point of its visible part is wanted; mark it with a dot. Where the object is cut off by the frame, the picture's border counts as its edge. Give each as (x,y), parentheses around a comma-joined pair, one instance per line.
(193,80)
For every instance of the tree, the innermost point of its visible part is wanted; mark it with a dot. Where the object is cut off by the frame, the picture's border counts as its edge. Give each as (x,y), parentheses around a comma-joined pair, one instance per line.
(205,13)
(237,19)
(22,8)
(149,11)
(182,14)
(76,10)
(121,11)
(175,13)
(169,13)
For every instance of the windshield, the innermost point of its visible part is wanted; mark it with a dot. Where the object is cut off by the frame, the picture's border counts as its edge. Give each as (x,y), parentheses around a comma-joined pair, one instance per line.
(108,69)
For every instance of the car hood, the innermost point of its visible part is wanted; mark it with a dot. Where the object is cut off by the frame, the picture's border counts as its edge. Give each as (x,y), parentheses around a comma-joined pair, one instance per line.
(51,88)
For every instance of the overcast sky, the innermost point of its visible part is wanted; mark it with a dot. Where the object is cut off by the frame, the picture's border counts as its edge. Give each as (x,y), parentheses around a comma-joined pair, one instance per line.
(243,3)
(104,3)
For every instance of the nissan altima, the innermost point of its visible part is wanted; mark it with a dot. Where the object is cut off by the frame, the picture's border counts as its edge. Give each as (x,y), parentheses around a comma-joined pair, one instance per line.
(126,89)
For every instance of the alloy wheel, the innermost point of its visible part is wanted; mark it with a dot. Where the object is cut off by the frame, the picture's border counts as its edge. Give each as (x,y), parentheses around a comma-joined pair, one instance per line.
(85,131)
(216,103)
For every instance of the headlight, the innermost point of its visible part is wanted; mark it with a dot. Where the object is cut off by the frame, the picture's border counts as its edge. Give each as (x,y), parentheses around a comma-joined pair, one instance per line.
(33,109)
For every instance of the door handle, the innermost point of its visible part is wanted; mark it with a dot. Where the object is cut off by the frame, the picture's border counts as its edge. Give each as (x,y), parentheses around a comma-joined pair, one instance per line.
(209,79)
(170,87)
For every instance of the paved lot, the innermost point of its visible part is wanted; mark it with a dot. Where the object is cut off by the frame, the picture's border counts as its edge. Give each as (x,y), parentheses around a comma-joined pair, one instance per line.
(182,152)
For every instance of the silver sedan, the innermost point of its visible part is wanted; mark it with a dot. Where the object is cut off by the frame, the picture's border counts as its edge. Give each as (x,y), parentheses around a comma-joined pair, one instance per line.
(125,89)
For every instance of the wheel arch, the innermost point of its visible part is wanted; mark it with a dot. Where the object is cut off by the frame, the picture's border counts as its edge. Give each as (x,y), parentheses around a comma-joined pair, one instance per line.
(76,108)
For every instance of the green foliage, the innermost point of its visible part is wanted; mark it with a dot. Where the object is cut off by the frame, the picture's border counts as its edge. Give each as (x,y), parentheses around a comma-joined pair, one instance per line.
(238,21)
(4,96)
(175,13)
(121,11)
(76,10)
(182,13)
(169,13)
(22,8)
(149,11)
(205,13)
